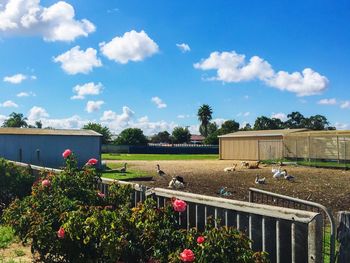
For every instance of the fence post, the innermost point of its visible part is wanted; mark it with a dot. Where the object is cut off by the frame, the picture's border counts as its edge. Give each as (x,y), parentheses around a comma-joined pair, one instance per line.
(315,239)
(343,236)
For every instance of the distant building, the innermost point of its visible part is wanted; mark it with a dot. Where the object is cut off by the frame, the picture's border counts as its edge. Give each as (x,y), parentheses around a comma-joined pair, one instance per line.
(197,139)
(44,147)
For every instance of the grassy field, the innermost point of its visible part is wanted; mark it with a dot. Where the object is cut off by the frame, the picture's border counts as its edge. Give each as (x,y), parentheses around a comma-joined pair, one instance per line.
(158,157)
(130,173)
(325,164)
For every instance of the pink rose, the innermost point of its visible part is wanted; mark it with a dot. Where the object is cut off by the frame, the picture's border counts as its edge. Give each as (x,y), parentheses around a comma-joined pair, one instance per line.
(92,161)
(60,233)
(179,205)
(46,183)
(102,195)
(200,239)
(66,153)
(187,255)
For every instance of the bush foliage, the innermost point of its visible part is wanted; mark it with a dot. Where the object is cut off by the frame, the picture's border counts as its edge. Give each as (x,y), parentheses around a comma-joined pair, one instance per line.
(15,182)
(67,219)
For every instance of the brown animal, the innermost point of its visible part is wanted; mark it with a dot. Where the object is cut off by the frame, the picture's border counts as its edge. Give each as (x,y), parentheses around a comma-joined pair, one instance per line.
(250,164)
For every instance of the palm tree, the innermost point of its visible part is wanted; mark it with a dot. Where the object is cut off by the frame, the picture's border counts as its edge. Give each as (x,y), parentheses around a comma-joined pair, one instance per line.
(16,120)
(204,116)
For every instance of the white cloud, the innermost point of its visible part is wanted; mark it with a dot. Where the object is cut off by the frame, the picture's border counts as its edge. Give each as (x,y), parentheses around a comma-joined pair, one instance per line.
(184,47)
(342,126)
(132,46)
(332,101)
(245,114)
(37,113)
(54,23)
(86,89)
(183,116)
(8,104)
(280,115)
(92,106)
(233,68)
(25,94)
(76,61)
(2,119)
(73,122)
(158,101)
(219,121)
(15,79)
(345,104)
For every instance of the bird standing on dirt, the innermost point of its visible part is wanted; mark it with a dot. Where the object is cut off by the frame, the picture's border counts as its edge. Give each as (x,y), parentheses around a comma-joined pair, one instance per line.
(259,181)
(288,177)
(160,172)
(123,170)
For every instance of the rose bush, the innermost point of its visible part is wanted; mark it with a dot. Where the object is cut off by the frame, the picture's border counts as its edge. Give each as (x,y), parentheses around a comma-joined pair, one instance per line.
(67,219)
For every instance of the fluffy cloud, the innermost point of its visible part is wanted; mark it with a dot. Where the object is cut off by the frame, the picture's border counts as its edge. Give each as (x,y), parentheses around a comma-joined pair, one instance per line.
(8,104)
(158,101)
(37,113)
(342,126)
(15,79)
(92,106)
(184,47)
(76,61)
(279,115)
(233,68)
(244,114)
(345,104)
(327,101)
(54,23)
(132,46)
(183,116)
(25,94)
(86,89)
(151,127)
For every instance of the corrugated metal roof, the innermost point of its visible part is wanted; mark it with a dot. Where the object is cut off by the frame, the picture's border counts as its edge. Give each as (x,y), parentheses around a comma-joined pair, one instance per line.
(30,131)
(323,133)
(262,133)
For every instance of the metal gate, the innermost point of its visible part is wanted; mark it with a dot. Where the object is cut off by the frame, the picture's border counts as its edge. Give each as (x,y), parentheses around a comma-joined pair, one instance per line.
(269,198)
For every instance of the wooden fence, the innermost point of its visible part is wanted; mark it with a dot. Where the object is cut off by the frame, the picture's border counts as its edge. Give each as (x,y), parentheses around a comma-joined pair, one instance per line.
(288,235)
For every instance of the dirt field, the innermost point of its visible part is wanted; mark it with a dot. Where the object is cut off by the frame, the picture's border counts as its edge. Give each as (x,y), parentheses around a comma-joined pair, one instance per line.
(326,186)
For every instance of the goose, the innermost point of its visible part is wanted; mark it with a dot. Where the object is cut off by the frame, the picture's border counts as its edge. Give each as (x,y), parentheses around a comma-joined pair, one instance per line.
(123,170)
(231,169)
(180,179)
(223,191)
(259,181)
(160,172)
(279,173)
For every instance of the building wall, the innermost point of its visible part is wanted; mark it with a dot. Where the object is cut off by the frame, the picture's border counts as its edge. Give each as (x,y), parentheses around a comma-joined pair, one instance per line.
(251,148)
(46,150)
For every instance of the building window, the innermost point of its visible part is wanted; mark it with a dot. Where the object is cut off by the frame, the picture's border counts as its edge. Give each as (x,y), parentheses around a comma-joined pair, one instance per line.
(20,154)
(38,155)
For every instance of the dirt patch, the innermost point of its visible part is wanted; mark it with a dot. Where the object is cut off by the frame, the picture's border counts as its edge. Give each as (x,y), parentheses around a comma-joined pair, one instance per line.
(16,252)
(326,186)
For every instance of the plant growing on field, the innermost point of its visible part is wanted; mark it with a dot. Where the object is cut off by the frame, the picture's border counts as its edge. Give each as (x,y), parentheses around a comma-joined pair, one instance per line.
(67,219)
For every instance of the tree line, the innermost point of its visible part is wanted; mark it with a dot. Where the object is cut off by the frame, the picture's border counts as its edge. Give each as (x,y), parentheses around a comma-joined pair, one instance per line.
(210,130)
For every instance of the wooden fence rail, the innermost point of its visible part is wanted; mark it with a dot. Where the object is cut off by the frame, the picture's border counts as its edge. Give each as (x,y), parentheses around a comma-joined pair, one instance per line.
(288,235)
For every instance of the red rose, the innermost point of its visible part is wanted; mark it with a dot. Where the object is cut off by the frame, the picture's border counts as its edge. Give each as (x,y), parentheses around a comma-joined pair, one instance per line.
(92,161)
(200,239)
(66,153)
(187,255)
(46,183)
(179,205)
(60,233)
(102,195)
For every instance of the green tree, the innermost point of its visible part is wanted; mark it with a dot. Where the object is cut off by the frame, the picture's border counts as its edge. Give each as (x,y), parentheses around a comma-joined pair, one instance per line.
(265,123)
(161,137)
(229,126)
(16,120)
(295,120)
(212,138)
(247,127)
(204,116)
(181,135)
(106,133)
(317,122)
(131,136)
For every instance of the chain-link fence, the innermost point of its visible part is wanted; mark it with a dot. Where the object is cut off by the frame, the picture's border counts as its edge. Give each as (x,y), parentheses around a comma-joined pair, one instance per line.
(319,151)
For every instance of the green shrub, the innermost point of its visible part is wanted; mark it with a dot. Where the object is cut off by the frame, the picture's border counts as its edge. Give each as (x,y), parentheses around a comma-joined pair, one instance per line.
(15,182)
(66,219)
(7,236)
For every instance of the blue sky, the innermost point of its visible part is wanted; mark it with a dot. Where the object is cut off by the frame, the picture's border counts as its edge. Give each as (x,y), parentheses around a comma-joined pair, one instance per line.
(151,64)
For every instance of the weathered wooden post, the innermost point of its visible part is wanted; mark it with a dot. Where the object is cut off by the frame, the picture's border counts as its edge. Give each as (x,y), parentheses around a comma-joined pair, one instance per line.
(343,236)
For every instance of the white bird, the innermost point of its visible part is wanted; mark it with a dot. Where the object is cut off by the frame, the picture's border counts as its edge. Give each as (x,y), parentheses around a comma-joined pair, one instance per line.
(230,169)
(176,184)
(160,172)
(123,170)
(279,173)
(288,177)
(259,181)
